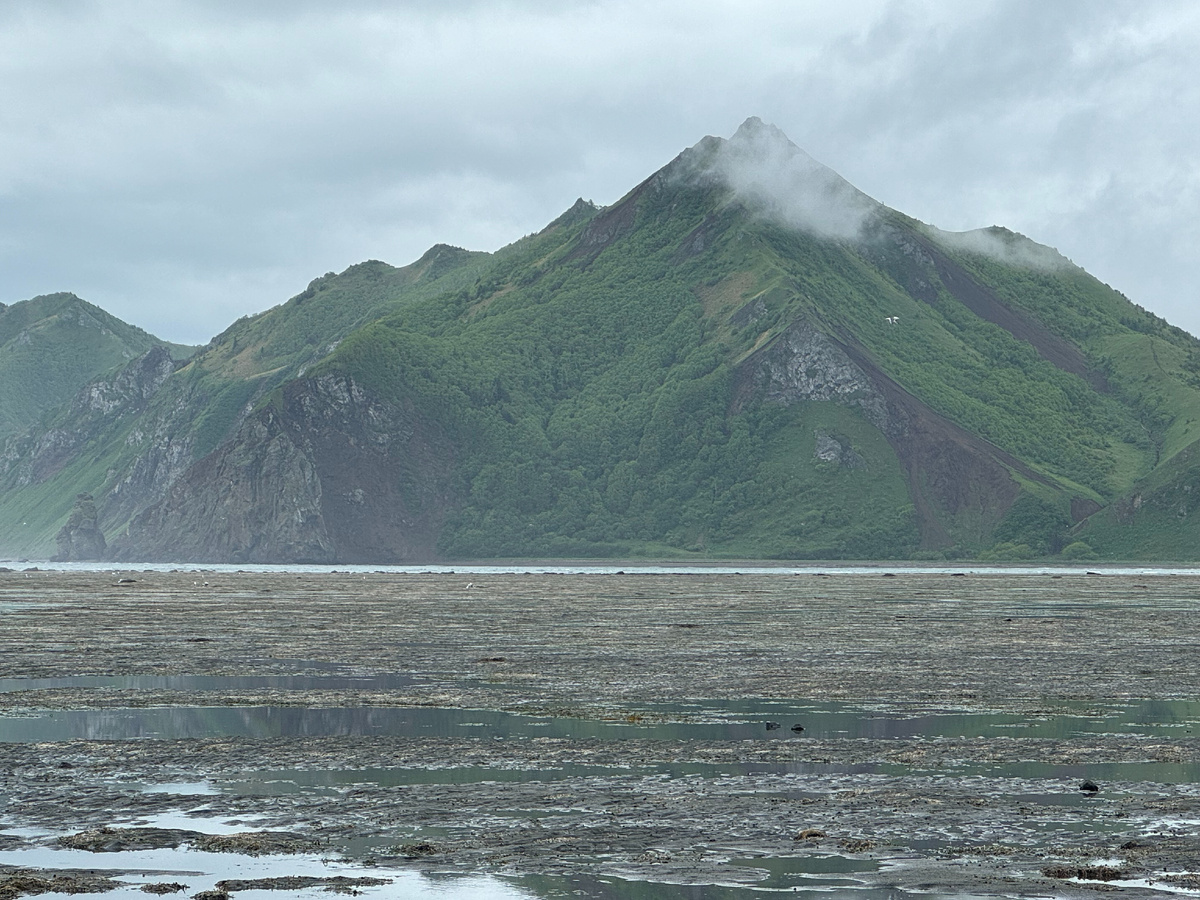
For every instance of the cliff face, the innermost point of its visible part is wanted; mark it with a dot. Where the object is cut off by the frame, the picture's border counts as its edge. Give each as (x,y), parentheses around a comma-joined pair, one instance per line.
(327,474)
(50,346)
(957,481)
(40,454)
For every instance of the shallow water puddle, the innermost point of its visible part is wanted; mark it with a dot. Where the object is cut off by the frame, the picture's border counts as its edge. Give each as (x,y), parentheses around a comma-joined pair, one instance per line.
(1021,801)
(199,871)
(815,872)
(816,875)
(209,682)
(832,720)
(809,878)
(611,888)
(681,721)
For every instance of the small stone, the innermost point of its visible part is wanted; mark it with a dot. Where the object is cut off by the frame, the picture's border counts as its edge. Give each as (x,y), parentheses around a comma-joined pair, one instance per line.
(810,834)
(797,728)
(1089,787)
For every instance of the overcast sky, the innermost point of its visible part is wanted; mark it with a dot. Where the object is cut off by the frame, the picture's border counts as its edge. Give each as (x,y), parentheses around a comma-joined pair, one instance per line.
(183,164)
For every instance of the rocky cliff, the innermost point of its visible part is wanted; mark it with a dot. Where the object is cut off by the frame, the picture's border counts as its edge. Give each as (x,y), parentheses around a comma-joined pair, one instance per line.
(957,481)
(41,453)
(80,538)
(327,473)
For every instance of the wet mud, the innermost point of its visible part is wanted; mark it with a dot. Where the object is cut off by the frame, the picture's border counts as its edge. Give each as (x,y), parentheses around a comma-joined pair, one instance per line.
(680,765)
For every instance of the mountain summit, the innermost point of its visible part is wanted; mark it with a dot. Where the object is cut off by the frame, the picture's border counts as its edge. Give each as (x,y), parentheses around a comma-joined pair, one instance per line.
(745,356)
(774,178)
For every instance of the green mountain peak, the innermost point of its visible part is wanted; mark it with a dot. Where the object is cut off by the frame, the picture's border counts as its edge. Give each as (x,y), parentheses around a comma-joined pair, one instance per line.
(744,356)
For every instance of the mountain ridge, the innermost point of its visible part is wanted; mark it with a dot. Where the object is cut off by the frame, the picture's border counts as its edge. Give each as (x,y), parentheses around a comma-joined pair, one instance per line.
(53,344)
(745,355)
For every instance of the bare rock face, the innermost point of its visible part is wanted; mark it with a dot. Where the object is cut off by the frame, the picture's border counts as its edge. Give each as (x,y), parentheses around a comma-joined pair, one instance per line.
(805,364)
(833,449)
(39,454)
(257,499)
(327,474)
(81,539)
(952,474)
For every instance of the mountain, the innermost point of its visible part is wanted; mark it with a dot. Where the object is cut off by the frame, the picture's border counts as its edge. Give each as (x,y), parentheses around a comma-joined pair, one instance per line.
(51,346)
(127,436)
(745,356)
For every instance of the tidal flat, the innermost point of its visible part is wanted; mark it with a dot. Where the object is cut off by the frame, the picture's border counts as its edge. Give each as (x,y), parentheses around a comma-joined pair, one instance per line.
(867,733)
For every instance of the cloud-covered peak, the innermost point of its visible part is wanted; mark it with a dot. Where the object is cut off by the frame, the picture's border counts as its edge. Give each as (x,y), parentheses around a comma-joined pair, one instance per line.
(1003,245)
(776,179)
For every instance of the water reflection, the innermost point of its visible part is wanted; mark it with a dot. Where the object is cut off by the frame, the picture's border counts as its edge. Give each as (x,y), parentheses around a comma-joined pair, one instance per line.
(1057,808)
(811,878)
(608,888)
(740,721)
(209,682)
(200,871)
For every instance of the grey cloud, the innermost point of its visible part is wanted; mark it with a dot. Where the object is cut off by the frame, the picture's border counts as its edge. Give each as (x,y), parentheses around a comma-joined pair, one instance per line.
(776,179)
(226,153)
(1003,245)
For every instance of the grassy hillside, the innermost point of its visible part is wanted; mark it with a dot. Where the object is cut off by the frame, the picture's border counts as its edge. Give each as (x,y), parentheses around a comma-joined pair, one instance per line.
(51,346)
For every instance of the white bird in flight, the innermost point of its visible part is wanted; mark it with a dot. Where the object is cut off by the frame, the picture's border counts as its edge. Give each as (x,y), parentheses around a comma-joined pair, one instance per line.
(892,320)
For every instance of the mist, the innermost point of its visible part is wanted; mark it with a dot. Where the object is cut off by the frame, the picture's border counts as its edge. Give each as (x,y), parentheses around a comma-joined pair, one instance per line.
(1004,246)
(777,180)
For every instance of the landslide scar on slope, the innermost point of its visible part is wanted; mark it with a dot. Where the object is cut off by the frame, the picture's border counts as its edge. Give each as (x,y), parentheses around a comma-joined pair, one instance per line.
(950,471)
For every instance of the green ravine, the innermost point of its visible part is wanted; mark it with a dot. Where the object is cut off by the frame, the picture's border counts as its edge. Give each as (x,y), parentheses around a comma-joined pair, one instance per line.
(704,369)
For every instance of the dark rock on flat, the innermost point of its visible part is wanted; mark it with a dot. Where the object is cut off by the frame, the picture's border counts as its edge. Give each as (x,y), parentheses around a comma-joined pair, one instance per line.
(252,843)
(21,884)
(256,843)
(417,849)
(81,538)
(1086,873)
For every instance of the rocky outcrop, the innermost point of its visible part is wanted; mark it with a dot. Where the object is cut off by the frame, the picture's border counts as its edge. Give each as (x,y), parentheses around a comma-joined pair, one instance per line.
(960,485)
(41,453)
(81,539)
(326,474)
(805,364)
(836,449)
(164,452)
(258,499)
(134,384)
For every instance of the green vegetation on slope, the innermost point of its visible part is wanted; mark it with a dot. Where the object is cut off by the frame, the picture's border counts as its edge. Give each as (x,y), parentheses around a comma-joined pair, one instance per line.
(199,405)
(592,392)
(598,384)
(50,347)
